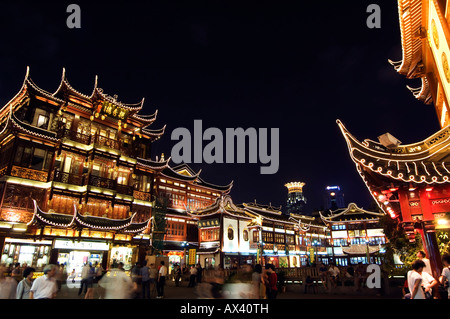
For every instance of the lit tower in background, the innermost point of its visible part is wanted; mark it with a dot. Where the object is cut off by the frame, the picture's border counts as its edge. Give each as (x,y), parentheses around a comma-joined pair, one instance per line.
(334,198)
(296,201)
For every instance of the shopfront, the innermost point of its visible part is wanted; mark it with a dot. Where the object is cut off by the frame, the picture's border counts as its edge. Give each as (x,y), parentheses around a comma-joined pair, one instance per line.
(175,258)
(26,251)
(123,254)
(74,254)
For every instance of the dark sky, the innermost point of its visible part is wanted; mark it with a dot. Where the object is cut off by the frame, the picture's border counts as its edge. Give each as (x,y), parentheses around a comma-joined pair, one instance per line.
(259,64)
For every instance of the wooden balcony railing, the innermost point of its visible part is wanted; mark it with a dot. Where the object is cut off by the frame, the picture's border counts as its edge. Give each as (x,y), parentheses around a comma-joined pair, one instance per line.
(76,136)
(124,189)
(102,182)
(105,141)
(142,195)
(29,173)
(68,178)
(99,140)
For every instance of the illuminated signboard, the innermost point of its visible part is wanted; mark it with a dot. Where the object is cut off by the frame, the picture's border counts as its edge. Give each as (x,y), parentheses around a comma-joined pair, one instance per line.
(82,245)
(112,110)
(192,256)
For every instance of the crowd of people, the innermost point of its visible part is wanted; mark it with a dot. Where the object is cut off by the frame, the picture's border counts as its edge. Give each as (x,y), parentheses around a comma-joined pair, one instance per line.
(20,284)
(420,283)
(256,282)
(17,282)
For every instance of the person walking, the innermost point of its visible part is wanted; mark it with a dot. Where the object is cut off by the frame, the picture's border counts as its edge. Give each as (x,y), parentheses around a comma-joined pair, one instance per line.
(415,280)
(257,282)
(177,275)
(272,289)
(24,286)
(85,274)
(444,279)
(162,273)
(16,273)
(153,279)
(145,280)
(193,272)
(45,286)
(116,284)
(8,285)
(199,273)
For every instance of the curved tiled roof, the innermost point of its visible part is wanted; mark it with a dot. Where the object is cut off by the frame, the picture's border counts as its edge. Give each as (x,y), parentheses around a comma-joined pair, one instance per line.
(351,213)
(423,162)
(410,18)
(84,221)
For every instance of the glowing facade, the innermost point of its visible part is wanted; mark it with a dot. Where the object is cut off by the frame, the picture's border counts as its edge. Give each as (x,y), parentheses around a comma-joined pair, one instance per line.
(78,167)
(296,201)
(411,183)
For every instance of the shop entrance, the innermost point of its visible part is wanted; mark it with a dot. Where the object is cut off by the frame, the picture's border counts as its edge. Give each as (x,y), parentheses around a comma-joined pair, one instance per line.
(74,262)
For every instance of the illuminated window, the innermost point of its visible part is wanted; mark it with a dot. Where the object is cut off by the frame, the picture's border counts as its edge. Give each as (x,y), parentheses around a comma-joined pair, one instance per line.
(255,236)
(245,235)
(230,233)
(42,121)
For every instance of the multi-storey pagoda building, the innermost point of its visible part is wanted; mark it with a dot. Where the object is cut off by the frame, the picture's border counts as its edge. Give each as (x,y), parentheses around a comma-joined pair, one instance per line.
(412,182)
(238,234)
(77,183)
(355,234)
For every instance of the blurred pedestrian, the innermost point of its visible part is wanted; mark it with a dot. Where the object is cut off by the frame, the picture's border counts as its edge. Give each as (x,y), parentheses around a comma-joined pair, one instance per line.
(45,287)
(162,273)
(60,276)
(193,276)
(153,279)
(177,275)
(217,282)
(199,273)
(16,272)
(323,273)
(271,288)
(24,286)
(334,275)
(145,280)
(90,283)
(136,279)
(85,274)
(444,279)
(8,285)
(360,275)
(116,284)
(257,282)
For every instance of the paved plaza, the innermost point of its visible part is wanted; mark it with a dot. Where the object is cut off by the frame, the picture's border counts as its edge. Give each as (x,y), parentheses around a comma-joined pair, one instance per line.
(293,291)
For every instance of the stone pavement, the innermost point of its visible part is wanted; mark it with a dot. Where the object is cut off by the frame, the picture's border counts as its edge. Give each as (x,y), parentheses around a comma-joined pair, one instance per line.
(293,291)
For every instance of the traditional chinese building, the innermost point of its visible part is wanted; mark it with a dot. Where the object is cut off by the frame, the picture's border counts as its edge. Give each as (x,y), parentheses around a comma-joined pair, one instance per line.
(77,183)
(184,191)
(231,235)
(355,235)
(411,182)
(76,174)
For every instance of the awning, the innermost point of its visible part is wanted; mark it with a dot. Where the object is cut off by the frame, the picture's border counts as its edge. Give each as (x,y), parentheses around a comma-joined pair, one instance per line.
(360,249)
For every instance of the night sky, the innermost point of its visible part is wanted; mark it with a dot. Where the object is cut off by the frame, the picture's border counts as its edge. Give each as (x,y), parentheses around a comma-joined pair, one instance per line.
(263,65)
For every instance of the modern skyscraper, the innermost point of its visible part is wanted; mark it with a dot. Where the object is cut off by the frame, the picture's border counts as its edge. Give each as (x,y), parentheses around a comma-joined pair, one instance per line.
(296,201)
(334,198)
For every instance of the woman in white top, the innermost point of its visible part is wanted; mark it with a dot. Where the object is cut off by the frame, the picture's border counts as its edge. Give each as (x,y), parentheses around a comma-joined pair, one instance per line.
(420,282)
